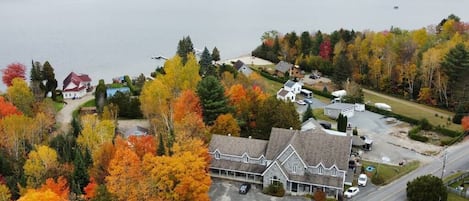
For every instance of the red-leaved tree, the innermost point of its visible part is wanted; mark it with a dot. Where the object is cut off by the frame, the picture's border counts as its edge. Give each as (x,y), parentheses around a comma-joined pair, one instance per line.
(7,108)
(465,123)
(13,71)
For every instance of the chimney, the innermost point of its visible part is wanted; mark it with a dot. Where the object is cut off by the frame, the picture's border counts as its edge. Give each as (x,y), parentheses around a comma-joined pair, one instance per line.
(348,130)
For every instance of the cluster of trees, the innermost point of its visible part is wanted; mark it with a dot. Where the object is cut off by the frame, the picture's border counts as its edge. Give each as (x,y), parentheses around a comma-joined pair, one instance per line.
(427,187)
(427,65)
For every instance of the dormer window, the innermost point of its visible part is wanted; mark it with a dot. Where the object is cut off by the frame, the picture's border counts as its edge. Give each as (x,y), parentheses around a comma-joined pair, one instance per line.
(217,155)
(320,170)
(262,161)
(334,171)
(245,159)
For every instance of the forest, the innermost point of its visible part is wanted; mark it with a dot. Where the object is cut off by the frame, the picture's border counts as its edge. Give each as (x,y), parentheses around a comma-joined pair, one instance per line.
(184,102)
(427,65)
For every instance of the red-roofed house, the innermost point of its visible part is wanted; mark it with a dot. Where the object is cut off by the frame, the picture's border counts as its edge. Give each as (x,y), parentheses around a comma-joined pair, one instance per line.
(75,86)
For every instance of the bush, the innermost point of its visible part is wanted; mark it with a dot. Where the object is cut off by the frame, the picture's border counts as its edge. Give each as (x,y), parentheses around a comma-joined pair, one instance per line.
(275,189)
(447,132)
(425,125)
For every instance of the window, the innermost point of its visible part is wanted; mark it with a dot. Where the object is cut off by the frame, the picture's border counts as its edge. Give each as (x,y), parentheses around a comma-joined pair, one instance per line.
(246,159)
(274,180)
(334,172)
(217,155)
(295,167)
(320,170)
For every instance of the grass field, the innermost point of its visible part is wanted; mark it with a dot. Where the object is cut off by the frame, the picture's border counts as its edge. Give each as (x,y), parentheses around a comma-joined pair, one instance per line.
(435,116)
(390,173)
(454,197)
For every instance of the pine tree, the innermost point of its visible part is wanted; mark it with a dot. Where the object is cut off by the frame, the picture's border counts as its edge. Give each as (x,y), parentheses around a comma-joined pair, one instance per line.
(212,98)
(51,83)
(342,123)
(160,151)
(205,63)
(100,96)
(80,177)
(456,66)
(215,54)
(185,47)
(342,69)
(308,114)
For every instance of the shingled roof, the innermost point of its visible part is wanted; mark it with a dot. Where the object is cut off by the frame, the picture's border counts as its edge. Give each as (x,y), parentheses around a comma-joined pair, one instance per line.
(76,80)
(313,146)
(283,66)
(238,145)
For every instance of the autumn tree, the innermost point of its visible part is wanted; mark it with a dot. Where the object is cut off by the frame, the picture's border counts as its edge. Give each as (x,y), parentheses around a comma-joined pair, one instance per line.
(101,160)
(40,160)
(325,49)
(15,132)
(12,71)
(39,195)
(95,132)
(125,174)
(180,177)
(59,187)
(455,64)
(21,96)
(90,189)
(157,97)
(465,123)
(142,145)
(7,108)
(213,99)
(185,47)
(225,124)
(187,102)
(5,194)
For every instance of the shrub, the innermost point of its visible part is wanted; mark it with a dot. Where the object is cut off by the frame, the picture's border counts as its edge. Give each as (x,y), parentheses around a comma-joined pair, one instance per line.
(425,125)
(275,189)
(447,132)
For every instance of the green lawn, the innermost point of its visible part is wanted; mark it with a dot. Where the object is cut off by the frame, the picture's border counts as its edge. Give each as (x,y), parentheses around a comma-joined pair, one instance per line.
(435,116)
(390,173)
(90,103)
(454,197)
(272,86)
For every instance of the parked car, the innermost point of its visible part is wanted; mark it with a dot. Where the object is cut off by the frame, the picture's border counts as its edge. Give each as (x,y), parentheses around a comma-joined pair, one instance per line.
(308,100)
(244,188)
(300,102)
(352,191)
(362,179)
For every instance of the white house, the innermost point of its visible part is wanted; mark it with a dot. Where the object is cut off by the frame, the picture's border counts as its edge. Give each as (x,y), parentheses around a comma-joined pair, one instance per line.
(76,86)
(285,95)
(242,68)
(333,110)
(294,87)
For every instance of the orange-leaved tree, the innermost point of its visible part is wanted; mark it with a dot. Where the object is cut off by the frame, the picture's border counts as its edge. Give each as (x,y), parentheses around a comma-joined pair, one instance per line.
(187,102)
(143,145)
(59,187)
(226,124)
(90,189)
(465,123)
(7,108)
(125,174)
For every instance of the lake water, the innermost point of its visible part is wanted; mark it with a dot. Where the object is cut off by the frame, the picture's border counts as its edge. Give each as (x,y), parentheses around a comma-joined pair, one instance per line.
(109,38)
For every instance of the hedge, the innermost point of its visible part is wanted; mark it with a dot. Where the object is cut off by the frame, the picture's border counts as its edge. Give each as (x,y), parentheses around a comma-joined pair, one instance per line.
(319,92)
(392,114)
(447,132)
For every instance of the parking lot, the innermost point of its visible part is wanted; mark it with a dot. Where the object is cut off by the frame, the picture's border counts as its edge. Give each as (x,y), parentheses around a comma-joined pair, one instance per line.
(223,190)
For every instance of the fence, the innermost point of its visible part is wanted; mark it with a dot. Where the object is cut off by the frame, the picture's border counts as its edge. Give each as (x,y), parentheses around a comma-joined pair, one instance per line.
(463,192)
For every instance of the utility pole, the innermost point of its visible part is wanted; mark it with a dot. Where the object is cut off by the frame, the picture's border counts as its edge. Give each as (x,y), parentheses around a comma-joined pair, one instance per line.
(444,165)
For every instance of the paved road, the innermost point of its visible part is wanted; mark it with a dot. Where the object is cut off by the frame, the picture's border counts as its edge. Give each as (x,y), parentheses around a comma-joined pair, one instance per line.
(64,116)
(456,160)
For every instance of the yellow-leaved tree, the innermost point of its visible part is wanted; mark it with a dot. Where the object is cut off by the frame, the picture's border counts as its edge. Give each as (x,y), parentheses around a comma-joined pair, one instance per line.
(95,132)
(39,195)
(39,162)
(5,194)
(225,124)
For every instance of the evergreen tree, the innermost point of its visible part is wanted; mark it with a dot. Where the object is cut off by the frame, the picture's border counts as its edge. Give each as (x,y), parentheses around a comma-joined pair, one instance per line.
(212,98)
(215,54)
(308,114)
(318,39)
(306,43)
(185,47)
(275,113)
(205,63)
(456,65)
(342,123)
(160,151)
(36,78)
(459,114)
(428,188)
(342,69)
(80,177)
(51,83)
(100,96)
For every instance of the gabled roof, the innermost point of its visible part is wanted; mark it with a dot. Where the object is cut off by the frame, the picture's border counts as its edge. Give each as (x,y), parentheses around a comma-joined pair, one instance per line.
(283,66)
(290,83)
(283,93)
(76,80)
(238,64)
(238,145)
(313,146)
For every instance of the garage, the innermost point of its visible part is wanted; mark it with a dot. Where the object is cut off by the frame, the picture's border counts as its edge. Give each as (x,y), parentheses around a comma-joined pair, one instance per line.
(333,110)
